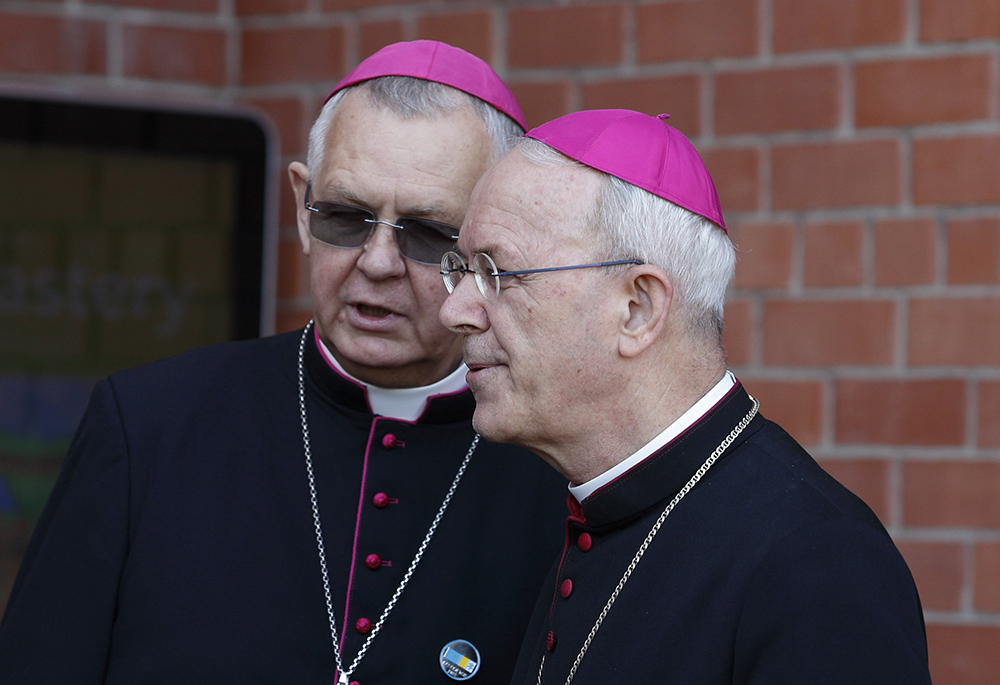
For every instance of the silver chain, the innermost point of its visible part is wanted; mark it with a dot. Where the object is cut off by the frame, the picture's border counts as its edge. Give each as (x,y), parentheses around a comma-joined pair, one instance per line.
(652,533)
(346,675)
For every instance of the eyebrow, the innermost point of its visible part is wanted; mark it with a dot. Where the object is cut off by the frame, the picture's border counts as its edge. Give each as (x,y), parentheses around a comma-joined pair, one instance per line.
(497,252)
(434,211)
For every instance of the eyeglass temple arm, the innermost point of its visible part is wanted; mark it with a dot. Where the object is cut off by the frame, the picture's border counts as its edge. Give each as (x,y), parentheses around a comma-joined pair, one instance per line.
(567,268)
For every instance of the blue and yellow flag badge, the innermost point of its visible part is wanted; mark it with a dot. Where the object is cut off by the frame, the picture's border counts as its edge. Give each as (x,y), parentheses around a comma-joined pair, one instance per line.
(459,660)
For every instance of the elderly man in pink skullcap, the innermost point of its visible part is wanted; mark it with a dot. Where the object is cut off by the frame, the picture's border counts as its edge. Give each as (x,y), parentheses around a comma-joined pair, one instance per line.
(314,507)
(704,546)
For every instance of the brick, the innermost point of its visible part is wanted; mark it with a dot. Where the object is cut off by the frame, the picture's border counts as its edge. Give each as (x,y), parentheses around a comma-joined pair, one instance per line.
(955,171)
(797,406)
(175,54)
(905,252)
(678,96)
(375,35)
(552,37)
(292,55)
(252,7)
(737,331)
(866,478)
(736,172)
(829,24)
(542,101)
(952,494)
(286,202)
(954,331)
(471,31)
(291,320)
(823,333)
(989,413)
(987,574)
(709,29)
(851,174)
(974,251)
(293,269)
(938,569)
(900,412)
(833,255)
(290,121)
(959,19)
(37,44)
(925,91)
(211,6)
(963,654)
(805,98)
(763,254)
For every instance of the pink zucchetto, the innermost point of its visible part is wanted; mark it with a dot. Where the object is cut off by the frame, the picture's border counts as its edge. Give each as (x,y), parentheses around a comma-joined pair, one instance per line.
(431,60)
(639,149)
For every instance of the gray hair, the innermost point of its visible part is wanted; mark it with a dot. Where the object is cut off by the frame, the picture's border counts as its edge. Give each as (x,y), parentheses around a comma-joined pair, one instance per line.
(631,223)
(409,97)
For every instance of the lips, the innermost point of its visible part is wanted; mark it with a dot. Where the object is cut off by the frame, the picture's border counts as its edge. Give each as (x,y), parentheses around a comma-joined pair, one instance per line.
(369,310)
(366,316)
(478,366)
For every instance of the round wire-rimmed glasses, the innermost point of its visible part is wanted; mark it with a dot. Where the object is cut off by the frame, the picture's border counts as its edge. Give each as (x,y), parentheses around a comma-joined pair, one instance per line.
(454,268)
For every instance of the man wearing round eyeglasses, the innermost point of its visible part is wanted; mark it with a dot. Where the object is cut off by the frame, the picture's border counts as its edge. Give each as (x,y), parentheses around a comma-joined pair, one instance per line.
(703,544)
(313,507)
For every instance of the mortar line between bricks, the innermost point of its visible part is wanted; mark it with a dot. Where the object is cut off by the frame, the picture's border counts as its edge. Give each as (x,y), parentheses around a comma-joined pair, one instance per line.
(951,618)
(967,596)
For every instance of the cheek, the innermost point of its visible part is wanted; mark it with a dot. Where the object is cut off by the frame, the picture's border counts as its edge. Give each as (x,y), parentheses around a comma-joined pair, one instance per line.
(428,291)
(329,267)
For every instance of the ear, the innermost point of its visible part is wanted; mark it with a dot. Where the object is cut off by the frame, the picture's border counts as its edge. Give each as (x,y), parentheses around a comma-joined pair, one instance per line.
(649,296)
(298,174)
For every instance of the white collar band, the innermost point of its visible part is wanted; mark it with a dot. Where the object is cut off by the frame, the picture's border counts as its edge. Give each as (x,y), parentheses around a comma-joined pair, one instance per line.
(404,404)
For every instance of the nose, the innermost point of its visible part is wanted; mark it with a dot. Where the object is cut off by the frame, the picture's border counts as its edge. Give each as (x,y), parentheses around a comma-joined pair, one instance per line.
(380,257)
(463,311)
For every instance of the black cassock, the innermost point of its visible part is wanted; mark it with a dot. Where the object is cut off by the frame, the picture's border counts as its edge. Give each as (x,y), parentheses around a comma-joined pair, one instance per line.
(178,545)
(768,572)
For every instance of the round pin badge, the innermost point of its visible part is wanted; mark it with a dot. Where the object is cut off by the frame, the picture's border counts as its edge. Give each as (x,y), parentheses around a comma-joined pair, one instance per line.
(459,660)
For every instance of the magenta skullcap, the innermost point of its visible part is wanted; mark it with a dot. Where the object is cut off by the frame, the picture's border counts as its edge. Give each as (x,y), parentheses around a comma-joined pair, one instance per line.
(639,149)
(431,60)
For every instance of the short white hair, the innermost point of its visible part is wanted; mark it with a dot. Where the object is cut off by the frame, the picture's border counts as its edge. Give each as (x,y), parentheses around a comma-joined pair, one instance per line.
(409,97)
(631,223)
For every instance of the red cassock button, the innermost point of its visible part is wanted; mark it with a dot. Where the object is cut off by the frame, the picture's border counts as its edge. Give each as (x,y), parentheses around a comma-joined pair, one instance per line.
(550,641)
(373,561)
(389,441)
(584,542)
(566,589)
(380,500)
(363,626)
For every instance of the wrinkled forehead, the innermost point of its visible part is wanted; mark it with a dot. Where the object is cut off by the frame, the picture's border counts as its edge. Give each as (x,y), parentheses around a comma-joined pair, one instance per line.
(384,157)
(523,206)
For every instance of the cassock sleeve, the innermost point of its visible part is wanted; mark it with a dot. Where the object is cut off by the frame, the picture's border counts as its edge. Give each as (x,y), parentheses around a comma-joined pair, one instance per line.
(58,622)
(832,603)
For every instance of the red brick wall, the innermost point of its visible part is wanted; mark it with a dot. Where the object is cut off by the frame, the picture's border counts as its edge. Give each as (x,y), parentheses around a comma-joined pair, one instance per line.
(856,145)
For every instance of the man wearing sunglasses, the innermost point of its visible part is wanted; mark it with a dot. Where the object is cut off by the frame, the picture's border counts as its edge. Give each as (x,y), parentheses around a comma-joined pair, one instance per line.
(313,507)
(703,544)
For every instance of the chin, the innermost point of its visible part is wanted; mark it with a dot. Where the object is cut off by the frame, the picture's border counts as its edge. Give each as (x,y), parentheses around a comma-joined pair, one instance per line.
(373,351)
(493,427)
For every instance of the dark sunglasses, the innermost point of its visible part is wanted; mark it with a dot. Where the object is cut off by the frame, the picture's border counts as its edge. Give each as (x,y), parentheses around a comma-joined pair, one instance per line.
(340,225)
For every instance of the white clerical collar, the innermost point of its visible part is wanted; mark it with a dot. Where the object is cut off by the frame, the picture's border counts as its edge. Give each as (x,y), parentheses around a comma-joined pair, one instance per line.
(405,404)
(682,423)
